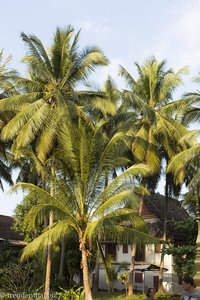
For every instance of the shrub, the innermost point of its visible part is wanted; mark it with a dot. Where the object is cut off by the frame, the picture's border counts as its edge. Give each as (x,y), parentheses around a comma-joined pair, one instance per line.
(72,294)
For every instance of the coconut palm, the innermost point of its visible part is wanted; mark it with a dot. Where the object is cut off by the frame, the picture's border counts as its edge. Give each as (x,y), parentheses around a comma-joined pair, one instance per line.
(54,76)
(158,132)
(192,114)
(49,96)
(111,108)
(192,108)
(186,168)
(7,88)
(112,111)
(5,166)
(151,95)
(80,200)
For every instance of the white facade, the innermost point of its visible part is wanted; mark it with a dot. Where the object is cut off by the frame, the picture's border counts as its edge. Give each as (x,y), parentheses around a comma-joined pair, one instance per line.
(151,256)
(147,278)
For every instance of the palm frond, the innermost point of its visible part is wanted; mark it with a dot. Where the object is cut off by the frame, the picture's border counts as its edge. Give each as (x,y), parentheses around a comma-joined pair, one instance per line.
(55,234)
(129,79)
(178,164)
(119,181)
(19,101)
(20,120)
(123,234)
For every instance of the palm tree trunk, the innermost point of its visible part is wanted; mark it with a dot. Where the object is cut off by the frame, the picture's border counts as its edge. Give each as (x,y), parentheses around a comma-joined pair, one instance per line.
(161,273)
(130,281)
(50,246)
(49,259)
(62,259)
(86,277)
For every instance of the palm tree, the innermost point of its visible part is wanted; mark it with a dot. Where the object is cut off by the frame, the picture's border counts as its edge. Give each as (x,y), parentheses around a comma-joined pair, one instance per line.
(111,110)
(5,166)
(151,96)
(7,88)
(185,167)
(50,93)
(49,96)
(81,201)
(156,131)
(192,109)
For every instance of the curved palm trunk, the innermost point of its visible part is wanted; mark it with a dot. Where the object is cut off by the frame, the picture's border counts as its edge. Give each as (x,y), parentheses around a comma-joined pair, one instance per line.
(86,277)
(130,281)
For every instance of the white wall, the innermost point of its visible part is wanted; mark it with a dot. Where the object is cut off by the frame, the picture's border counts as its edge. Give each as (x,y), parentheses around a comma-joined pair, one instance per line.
(150,256)
(170,280)
(123,257)
(154,258)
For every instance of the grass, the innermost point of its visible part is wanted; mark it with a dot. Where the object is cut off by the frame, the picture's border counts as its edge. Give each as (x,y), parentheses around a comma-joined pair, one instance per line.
(122,296)
(117,296)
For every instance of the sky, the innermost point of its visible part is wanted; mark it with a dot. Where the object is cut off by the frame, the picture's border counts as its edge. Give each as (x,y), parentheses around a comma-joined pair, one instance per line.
(127,31)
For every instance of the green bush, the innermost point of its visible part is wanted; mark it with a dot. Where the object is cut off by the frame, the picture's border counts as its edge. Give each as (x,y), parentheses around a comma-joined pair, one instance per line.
(116,296)
(165,296)
(72,294)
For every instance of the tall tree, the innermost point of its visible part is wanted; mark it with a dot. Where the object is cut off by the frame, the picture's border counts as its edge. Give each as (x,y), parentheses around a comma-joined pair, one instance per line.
(186,168)
(192,106)
(157,131)
(81,201)
(7,89)
(50,93)
(49,96)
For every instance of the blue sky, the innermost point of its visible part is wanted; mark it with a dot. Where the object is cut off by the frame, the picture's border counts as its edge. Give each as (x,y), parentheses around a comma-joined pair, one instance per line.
(127,31)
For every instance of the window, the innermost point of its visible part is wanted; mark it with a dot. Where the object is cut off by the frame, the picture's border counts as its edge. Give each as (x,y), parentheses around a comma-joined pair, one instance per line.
(138,278)
(155,282)
(157,248)
(110,250)
(140,253)
(180,279)
(125,248)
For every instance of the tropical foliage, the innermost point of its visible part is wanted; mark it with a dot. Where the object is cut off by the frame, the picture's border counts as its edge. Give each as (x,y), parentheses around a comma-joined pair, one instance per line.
(80,200)
(87,156)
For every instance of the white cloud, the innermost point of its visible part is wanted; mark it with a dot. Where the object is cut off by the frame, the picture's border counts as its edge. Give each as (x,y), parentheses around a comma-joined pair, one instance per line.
(99,29)
(180,37)
(176,40)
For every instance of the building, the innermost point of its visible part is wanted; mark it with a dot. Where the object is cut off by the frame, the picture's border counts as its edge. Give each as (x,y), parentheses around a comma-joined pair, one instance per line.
(7,234)
(147,258)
